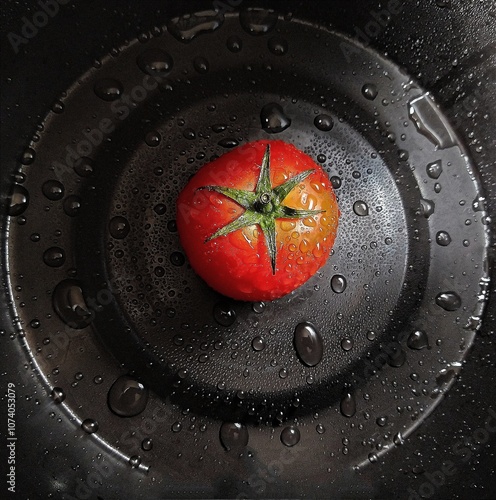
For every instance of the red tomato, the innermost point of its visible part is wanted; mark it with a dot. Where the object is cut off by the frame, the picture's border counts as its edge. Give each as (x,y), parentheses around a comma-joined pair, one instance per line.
(259,221)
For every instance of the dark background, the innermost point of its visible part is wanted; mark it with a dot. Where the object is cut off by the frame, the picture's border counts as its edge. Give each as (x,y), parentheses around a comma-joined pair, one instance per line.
(450,47)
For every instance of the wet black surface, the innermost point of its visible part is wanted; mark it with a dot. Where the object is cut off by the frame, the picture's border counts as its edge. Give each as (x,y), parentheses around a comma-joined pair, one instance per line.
(329,431)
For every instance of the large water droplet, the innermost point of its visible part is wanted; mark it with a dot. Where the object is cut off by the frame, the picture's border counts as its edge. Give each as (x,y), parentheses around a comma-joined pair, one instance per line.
(153,139)
(228,143)
(338,283)
(58,395)
(224,314)
(233,436)
(234,43)
(19,200)
(274,119)
(28,156)
(108,89)
(201,65)
(258,344)
(449,301)
(336,182)
(189,26)
(360,208)
(84,166)
(348,404)
(89,425)
(69,304)
(290,436)
(53,190)
(324,122)
(72,205)
(278,45)
(147,444)
(308,344)
(430,121)
(54,257)
(257,21)
(434,169)
(443,238)
(369,91)
(155,62)
(119,227)
(427,207)
(127,397)
(418,340)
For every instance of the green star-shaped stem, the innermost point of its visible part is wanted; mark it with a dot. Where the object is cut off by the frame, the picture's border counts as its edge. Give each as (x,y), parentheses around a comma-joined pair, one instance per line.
(263,206)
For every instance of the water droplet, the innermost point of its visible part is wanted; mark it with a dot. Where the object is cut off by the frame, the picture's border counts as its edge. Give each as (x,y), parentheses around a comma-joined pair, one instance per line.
(381,421)
(119,227)
(434,169)
(28,156)
(233,436)
(373,458)
(479,204)
(346,344)
(427,207)
(403,155)
(135,461)
(54,257)
(69,304)
(89,425)
(449,301)
(189,26)
(369,91)
(257,21)
(320,429)
(108,89)
(19,200)
(430,122)
(273,118)
(308,344)
(348,405)
(224,314)
(228,143)
(176,427)
(127,397)
(177,259)
(398,439)
(361,208)
(189,134)
(71,205)
(324,122)
(155,62)
(58,395)
(443,238)
(258,307)
(336,182)
(338,283)
(290,436)
(147,444)
(153,139)
(278,45)
(84,166)
(53,190)
(418,340)
(160,209)
(201,65)
(234,43)
(258,344)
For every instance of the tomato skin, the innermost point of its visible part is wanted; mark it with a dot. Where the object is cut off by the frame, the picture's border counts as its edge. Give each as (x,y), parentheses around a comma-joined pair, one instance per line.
(238,265)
